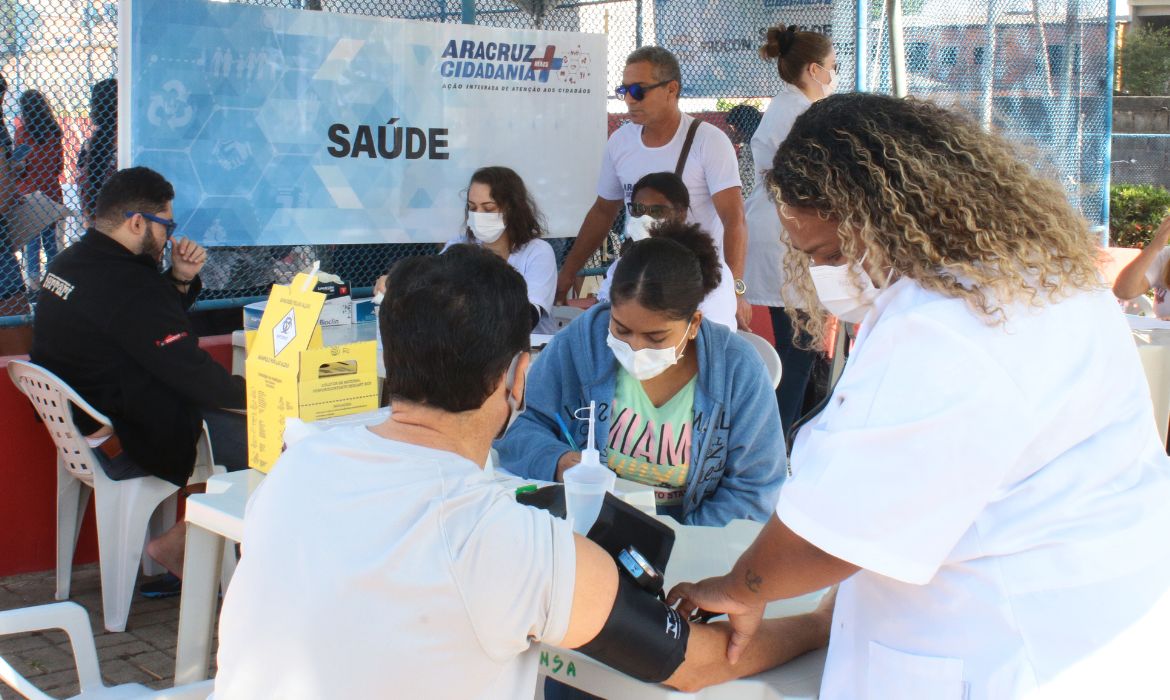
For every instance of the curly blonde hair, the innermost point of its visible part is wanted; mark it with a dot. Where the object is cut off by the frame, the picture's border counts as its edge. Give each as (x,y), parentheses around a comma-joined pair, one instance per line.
(933,197)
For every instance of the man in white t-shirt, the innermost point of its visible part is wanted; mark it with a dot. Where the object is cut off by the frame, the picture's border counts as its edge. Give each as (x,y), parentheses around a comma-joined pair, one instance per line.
(651,142)
(380,561)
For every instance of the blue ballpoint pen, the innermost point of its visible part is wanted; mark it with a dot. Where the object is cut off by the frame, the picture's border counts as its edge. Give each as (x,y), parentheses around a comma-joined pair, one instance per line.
(565,431)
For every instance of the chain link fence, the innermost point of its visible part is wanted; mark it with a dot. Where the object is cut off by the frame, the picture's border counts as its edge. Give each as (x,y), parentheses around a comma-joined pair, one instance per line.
(1037,70)
(1141,159)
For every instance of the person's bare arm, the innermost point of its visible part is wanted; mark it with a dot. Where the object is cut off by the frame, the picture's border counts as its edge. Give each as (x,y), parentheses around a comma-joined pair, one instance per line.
(729,206)
(778,564)
(589,239)
(567,461)
(593,593)
(778,641)
(1131,282)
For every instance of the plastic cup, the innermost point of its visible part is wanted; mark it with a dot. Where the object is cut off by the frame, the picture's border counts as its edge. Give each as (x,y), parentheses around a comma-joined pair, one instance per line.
(585,488)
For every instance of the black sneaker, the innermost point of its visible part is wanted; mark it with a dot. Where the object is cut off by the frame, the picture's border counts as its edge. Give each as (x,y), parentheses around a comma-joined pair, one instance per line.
(166,586)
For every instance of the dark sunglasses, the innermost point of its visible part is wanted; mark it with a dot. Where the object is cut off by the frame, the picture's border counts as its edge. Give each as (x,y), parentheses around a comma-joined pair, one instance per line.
(636,91)
(169,224)
(656,211)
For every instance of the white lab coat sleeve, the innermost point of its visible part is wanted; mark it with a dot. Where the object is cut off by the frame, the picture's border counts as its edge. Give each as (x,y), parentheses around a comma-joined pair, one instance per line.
(773,129)
(540,274)
(918,437)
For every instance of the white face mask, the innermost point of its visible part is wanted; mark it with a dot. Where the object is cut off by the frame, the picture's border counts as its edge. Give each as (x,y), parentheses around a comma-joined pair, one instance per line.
(638,227)
(515,408)
(646,363)
(839,293)
(830,87)
(486,226)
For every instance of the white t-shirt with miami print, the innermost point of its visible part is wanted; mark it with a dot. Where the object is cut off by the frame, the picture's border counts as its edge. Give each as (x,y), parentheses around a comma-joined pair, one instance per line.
(651,444)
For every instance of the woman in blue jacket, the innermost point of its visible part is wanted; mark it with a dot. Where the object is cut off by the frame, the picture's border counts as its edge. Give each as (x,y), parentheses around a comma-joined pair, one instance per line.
(683,404)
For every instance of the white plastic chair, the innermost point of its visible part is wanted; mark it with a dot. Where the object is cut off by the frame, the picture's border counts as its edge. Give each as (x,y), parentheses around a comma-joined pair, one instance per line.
(124,508)
(73,619)
(564,315)
(767,354)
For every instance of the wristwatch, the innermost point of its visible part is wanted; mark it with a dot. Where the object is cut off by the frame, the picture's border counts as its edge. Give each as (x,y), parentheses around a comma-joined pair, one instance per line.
(740,288)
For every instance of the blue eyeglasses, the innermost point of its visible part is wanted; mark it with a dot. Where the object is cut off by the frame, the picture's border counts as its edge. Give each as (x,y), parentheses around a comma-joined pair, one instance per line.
(636,91)
(169,224)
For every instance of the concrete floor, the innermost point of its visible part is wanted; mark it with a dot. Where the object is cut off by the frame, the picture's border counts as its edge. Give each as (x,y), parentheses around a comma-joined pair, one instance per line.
(144,653)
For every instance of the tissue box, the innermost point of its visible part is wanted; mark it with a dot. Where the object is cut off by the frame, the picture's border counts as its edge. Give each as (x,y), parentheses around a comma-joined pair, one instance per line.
(336,312)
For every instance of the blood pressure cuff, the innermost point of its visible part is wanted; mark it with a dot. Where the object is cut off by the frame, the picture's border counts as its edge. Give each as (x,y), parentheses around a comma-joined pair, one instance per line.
(619,525)
(643,636)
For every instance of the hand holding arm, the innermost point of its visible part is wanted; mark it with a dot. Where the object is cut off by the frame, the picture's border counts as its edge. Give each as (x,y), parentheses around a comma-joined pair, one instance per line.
(778,641)
(1131,281)
(779,564)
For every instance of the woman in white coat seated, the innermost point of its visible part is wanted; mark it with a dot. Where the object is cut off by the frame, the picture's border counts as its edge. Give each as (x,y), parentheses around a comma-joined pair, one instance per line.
(986,480)
(503,217)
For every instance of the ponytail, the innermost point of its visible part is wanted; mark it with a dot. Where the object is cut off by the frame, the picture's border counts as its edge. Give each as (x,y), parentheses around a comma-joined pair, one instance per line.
(670,272)
(793,50)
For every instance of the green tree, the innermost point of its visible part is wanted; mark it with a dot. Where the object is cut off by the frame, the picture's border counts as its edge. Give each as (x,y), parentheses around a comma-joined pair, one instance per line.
(1145,61)
(1134,213)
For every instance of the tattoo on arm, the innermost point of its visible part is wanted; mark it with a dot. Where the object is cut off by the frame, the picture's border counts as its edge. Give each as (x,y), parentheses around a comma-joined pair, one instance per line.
(752,580)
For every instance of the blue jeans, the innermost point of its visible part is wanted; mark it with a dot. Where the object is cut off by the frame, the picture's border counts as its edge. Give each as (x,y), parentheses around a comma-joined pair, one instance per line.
(797,364)
(229,445)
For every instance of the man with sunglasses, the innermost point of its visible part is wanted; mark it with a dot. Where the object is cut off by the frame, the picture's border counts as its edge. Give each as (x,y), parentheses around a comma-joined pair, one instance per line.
(115,328)
(661,138)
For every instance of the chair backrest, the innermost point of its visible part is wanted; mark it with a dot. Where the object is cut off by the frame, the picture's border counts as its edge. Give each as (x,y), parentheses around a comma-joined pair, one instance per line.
(564,315)
(51,397)
(767,354)
(74,621)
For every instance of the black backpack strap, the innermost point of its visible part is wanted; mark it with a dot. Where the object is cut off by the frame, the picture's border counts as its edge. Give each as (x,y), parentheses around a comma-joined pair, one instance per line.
(686,150)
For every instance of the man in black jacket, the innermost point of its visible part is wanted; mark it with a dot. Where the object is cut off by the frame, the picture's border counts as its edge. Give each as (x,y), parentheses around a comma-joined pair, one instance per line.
(116,329)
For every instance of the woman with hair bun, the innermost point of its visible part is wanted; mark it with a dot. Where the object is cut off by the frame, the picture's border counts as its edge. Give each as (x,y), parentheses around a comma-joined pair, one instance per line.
(808,68)
(683,404)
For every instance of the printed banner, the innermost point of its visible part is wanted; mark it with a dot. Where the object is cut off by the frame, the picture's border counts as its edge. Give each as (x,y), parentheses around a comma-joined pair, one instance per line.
(717,42)
(282,126)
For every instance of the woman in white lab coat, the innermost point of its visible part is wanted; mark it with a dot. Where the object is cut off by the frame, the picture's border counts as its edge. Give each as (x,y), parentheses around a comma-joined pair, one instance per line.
(807,64)
(986,481)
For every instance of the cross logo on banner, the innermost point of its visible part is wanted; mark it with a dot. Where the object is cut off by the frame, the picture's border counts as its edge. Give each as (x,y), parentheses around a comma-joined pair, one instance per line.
(547,63)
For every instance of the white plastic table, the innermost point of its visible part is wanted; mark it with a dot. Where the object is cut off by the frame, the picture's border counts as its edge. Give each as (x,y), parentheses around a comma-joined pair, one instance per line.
(213,518)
